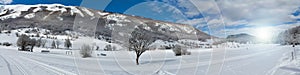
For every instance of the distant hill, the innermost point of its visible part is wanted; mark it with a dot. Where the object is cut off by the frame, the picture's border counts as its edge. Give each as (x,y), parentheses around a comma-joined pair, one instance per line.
(241,38)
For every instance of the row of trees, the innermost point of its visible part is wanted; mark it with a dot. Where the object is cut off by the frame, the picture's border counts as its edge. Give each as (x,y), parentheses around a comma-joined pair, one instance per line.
(57,43)
(27,44)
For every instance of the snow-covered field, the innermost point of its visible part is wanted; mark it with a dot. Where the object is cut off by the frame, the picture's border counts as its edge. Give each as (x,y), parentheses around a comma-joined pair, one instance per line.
(259,59)
(226,59)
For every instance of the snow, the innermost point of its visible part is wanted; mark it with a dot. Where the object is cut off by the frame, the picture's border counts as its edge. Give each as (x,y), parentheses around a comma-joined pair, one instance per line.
(60,18)
(167,27)
(117,17)
(258,59)
(88,11)
(287,65)
(247,59)
(55,7)
(12,15)
(5,66)
(102,13)
(17,9)
(187,29)
(36,9)
(3,11)
(28,16)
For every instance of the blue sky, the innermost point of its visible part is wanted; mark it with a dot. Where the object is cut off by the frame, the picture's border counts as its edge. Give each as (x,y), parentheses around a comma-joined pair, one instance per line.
(219,18)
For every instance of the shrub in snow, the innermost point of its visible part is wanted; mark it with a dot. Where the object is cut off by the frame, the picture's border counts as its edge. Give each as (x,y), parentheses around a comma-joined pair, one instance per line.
(23,41)
(180,50)
(109,48)
(7,44)
(86,51)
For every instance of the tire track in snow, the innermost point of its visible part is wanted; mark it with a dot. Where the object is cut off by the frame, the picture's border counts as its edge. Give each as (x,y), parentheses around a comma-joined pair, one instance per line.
(18,66)
(8,65)
(50,68)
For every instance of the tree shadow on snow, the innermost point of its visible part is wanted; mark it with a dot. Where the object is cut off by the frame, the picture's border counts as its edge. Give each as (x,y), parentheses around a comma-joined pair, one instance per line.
(294,69)
(157,61)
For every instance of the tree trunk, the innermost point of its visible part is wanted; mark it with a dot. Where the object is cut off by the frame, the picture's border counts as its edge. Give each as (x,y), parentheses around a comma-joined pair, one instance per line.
(137,60)
(22,48)
(31,50)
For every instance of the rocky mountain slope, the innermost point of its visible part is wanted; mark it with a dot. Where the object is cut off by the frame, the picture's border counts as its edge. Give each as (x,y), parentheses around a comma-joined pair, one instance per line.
(59,18)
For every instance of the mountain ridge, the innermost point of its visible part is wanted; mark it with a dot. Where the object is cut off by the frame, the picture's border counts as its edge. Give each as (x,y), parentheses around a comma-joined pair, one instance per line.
(58,18)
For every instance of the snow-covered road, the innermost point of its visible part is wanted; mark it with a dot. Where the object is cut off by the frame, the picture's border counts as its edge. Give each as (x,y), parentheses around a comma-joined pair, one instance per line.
(251,60)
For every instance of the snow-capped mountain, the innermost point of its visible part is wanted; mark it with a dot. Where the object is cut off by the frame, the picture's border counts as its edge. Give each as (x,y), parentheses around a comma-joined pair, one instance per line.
(58,18)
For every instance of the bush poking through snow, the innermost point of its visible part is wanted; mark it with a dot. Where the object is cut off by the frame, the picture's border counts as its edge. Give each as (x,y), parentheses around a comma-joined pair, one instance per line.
(23,42)
(180,50)
(6,44)
(86,51)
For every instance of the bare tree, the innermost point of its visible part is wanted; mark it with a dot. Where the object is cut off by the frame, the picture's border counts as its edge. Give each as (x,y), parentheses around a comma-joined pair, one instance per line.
(23,42)
(57,42)
(32,44)
(68,43)
(53,44)
(43,43)
(38,42)
(139,42)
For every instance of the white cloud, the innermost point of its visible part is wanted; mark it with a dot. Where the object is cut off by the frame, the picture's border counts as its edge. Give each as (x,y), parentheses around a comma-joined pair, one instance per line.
(236,23)
(295,17)
(191,10)
(176,14)
(258,12)
(214,22)
(252,30)
(5,1)
(199,22)
(252,12)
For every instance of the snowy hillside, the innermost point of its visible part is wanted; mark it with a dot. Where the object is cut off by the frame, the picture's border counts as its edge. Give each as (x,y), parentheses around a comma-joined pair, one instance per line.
(59,18)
